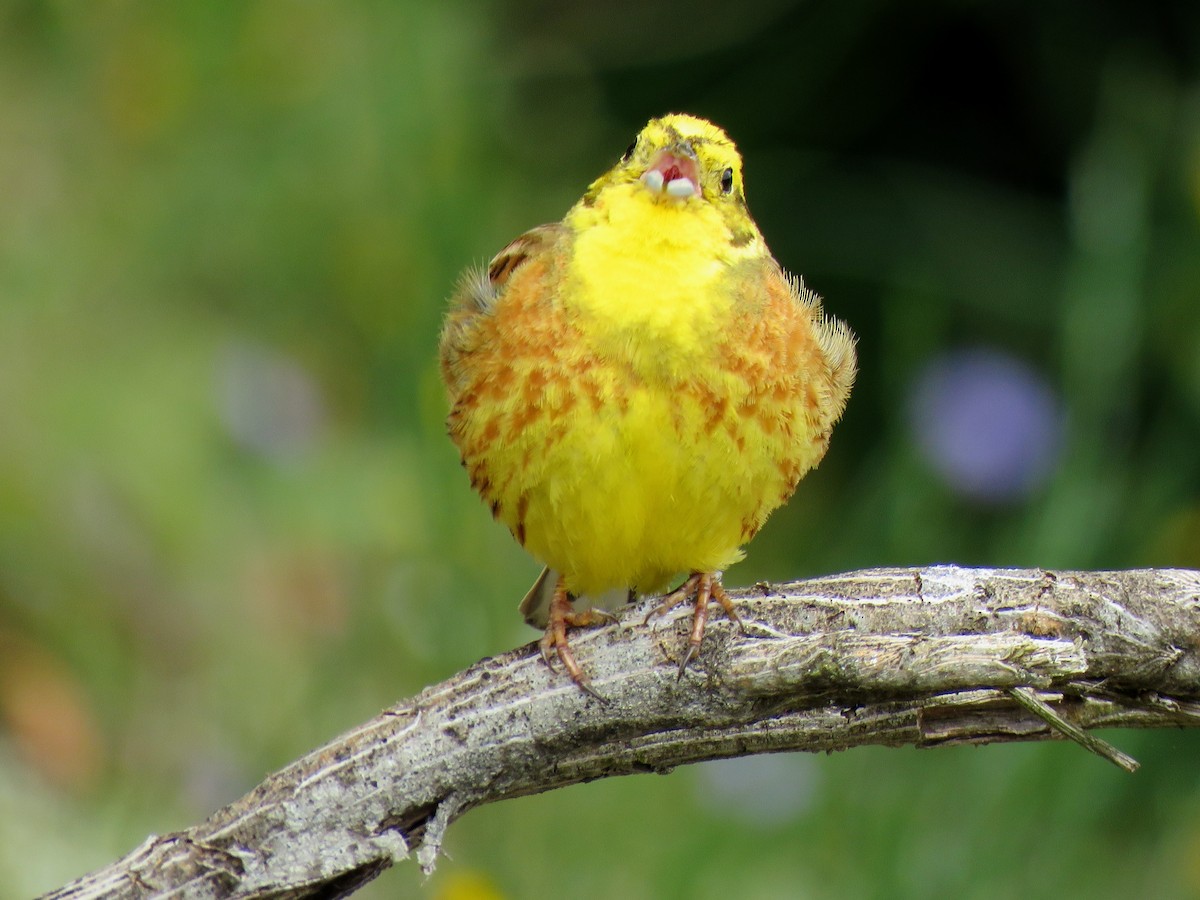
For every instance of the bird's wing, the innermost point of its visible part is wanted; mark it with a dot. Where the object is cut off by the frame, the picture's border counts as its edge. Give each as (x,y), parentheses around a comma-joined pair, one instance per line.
(479,289)
(834,339)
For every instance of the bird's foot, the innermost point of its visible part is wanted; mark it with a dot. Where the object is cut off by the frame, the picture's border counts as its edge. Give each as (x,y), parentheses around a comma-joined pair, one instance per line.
(703,586)
(554,642)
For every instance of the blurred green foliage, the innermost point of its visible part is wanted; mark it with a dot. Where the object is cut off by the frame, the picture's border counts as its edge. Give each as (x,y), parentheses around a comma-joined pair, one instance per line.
(231,525)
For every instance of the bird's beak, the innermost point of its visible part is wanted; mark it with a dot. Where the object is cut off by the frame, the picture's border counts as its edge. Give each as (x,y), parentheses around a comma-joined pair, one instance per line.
(674,173)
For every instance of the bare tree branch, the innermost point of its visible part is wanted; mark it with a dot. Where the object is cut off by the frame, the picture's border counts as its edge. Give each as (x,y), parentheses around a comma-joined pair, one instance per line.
(921,656)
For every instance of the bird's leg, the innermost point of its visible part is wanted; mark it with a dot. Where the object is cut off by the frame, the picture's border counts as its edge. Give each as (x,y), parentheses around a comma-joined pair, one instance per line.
(704,586)
(562,615)
(673,599)
(708,586)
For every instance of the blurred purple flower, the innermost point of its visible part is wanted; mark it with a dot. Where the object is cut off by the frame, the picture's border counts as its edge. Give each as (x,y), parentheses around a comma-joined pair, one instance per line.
(268,402)
(987,423)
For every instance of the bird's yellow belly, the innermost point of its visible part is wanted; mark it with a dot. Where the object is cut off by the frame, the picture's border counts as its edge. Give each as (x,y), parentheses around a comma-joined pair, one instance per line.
(649,484)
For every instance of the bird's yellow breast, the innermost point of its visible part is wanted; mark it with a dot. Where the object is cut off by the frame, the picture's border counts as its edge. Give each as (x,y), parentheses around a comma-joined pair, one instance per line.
(649,278)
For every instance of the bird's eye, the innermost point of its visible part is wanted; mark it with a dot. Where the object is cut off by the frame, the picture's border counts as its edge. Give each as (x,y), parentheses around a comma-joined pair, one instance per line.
(727,181)
(629,151)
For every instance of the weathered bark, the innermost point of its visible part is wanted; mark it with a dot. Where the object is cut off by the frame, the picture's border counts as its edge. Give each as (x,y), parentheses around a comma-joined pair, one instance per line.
(920,656)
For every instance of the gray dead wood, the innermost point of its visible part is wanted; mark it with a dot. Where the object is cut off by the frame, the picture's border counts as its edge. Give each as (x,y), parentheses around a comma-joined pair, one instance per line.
(920,656)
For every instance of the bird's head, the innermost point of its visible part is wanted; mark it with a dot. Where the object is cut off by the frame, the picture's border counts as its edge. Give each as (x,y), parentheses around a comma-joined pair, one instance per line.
(680,159)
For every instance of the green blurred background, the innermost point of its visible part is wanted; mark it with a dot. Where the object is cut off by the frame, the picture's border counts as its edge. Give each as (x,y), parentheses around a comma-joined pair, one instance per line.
(231,525)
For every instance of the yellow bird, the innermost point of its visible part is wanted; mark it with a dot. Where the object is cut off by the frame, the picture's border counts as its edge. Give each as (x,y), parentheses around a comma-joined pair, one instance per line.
(636,388)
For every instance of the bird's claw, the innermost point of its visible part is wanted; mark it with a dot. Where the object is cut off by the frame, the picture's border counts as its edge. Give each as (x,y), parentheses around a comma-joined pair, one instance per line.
(554,642)
(705,586)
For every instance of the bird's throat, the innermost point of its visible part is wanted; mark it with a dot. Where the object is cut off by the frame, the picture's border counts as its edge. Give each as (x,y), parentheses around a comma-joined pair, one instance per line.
(652,277)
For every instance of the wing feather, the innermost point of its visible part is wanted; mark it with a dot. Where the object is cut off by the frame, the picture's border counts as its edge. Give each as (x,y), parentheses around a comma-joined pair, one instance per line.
(478,291)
